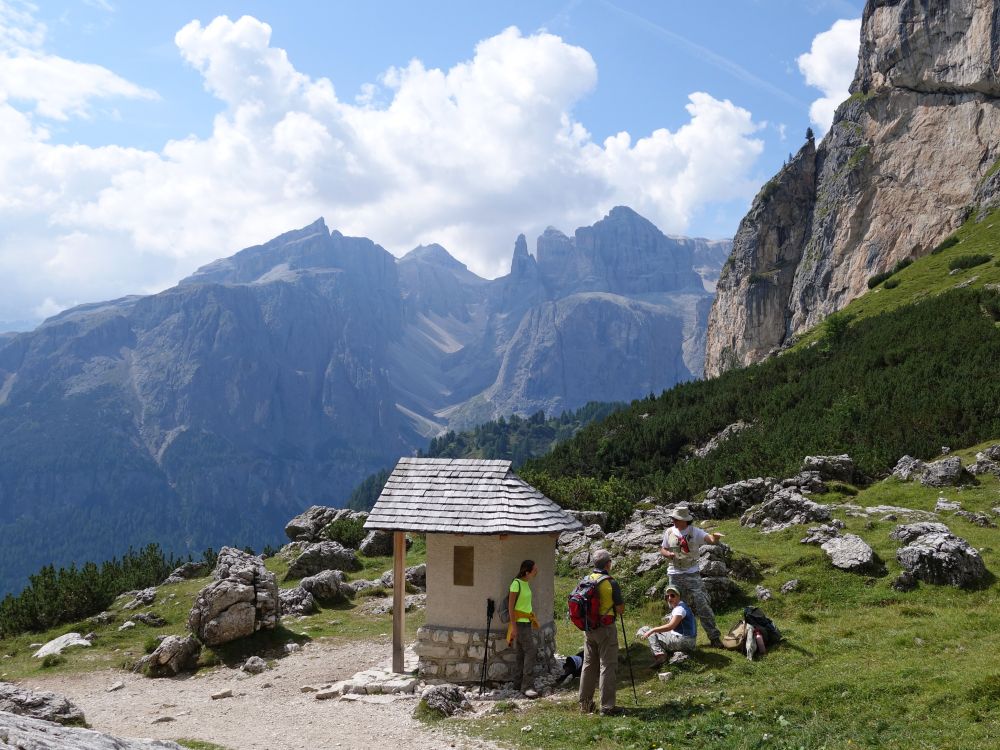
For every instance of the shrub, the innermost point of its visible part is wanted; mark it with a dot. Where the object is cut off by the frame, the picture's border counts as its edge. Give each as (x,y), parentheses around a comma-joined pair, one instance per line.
(891,283)
(945,244)
(968,261)
(347,531)
(878,278)
(53,660)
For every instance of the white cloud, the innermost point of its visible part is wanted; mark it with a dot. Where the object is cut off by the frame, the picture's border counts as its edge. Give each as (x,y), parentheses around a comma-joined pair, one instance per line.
(468,157)
(829,66)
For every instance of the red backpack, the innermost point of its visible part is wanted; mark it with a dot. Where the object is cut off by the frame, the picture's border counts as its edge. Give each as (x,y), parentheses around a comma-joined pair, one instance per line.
(585,604)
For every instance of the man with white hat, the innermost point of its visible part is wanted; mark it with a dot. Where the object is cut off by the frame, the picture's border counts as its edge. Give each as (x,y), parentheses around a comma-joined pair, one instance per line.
(680,545)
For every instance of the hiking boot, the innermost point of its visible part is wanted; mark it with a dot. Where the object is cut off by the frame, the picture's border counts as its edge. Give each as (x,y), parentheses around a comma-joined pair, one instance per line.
(613,711)
(529,693)
(716,643)
(588,709)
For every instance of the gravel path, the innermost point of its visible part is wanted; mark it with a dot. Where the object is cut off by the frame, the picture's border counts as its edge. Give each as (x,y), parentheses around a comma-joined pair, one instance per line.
(266,711)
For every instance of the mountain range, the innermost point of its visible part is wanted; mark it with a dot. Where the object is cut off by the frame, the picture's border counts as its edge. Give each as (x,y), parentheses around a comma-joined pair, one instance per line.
(281,376)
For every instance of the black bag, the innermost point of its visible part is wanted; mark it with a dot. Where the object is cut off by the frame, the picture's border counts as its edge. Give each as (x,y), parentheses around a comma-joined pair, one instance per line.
(755,617)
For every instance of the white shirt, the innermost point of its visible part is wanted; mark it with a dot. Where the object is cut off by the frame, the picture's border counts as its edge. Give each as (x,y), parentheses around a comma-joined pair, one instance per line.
(684,562)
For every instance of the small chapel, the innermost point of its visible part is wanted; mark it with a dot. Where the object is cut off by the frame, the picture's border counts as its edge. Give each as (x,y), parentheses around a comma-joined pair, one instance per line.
(480,520)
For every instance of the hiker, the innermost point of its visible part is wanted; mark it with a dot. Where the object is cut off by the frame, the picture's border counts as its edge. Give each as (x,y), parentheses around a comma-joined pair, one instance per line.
(600,650)
(522,620)
(678,633)
(680,545)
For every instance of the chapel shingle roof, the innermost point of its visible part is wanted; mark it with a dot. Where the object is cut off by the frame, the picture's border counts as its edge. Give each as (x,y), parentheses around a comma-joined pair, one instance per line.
(464,496)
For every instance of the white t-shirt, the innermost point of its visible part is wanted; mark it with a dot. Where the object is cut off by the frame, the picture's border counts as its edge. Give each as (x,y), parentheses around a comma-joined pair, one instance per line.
(677,611)
(684,562)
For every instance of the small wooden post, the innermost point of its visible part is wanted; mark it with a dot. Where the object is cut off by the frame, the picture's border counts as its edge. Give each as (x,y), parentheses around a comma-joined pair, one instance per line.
(398,599)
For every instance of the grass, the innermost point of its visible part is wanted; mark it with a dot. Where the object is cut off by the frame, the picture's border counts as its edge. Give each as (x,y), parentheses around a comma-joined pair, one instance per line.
(932,274)
(863,666)
(114,649)
(199,745)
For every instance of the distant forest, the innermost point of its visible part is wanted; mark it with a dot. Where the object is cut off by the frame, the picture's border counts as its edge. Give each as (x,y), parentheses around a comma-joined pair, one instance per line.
(516,439)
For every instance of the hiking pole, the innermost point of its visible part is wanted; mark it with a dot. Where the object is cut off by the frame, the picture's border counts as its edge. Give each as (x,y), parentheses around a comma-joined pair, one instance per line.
(486,643)
(628,658)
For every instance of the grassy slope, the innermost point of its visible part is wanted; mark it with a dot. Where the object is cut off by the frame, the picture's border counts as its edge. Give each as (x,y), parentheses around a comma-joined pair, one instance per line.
(930,276)
(863,665)
(114,649)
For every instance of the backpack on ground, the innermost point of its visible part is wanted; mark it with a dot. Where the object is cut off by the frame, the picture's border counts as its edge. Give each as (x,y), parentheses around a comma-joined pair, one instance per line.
(736,636)
(755,618)
(585,604)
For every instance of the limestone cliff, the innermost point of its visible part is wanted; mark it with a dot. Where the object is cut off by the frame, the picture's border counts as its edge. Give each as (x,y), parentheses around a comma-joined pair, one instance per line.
(903,163)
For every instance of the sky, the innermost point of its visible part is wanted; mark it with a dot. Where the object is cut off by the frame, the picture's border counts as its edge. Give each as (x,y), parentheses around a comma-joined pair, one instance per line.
(139,141)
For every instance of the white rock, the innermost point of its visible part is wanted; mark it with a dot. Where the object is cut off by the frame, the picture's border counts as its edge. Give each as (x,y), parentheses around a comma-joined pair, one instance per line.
(227,693)
(56,645)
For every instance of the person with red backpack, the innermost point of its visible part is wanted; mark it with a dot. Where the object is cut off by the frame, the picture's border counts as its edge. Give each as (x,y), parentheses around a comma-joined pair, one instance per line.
(600,650)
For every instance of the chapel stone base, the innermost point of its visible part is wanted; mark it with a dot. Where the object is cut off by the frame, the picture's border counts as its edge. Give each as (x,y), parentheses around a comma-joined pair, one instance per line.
(456,654)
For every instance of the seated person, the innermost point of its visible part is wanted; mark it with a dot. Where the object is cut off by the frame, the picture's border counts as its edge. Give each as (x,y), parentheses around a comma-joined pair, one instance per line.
(678,633)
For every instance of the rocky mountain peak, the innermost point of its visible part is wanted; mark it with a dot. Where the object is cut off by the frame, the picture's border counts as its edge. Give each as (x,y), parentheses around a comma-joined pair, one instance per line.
(435,255)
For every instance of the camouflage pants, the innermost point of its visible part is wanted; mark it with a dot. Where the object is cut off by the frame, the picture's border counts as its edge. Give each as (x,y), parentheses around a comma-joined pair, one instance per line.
(693,592)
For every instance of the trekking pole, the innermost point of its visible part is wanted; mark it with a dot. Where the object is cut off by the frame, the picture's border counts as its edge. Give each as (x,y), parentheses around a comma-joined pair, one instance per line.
(628,658)
(486,644)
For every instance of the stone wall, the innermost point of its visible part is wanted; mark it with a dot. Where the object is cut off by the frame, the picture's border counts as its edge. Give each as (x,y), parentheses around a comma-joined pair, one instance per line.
(456,654)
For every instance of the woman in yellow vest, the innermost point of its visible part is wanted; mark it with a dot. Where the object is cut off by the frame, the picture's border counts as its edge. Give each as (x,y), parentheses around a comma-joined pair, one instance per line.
(522,620)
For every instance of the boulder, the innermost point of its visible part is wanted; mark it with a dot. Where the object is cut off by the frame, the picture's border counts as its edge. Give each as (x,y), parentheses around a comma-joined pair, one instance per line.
(39,704)
(444,700)
(783,509)
(763,593)
(377,544)
(150,619)
(415,575)
(254,665)
(789,586)
(243,600)
(306,526)
(571,542)
(853,554)
(733,499)
(173,656)
(987,462)
(806,482)
(322,556)
(947,472)
(644,530)
(650,561)
(942,558)
(187,571)
(720,437)
(944,503)
(907,532)
(831,468)
(142,598)
(908,468)
(820,534)
(328,587)
(720,589)
(57,645)
(296,601)
(28,733)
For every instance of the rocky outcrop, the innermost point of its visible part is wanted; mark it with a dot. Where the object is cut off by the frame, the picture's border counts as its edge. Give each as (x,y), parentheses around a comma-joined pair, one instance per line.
(853,554)
(377,544)
(328,587)
(322,556)
(26,733)
(173,656)
(58,645)
(187,571)
(296,601)
(897,172)
(306,526)
(733,499)
(784,508)
(947,472)
(39,704)
(243,600)
(906,533)
(943,559)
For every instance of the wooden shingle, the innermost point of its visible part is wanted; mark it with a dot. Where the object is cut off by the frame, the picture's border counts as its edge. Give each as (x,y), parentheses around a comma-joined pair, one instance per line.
(464,496)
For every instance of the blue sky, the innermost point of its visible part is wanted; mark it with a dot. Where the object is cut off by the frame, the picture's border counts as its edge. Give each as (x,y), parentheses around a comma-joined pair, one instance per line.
(141,145)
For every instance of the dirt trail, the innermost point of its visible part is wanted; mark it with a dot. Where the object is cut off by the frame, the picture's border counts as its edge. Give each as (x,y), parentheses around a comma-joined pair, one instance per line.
(267,711)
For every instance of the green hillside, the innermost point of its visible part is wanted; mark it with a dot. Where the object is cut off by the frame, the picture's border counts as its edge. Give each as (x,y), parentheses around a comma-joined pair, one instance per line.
(878,385)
